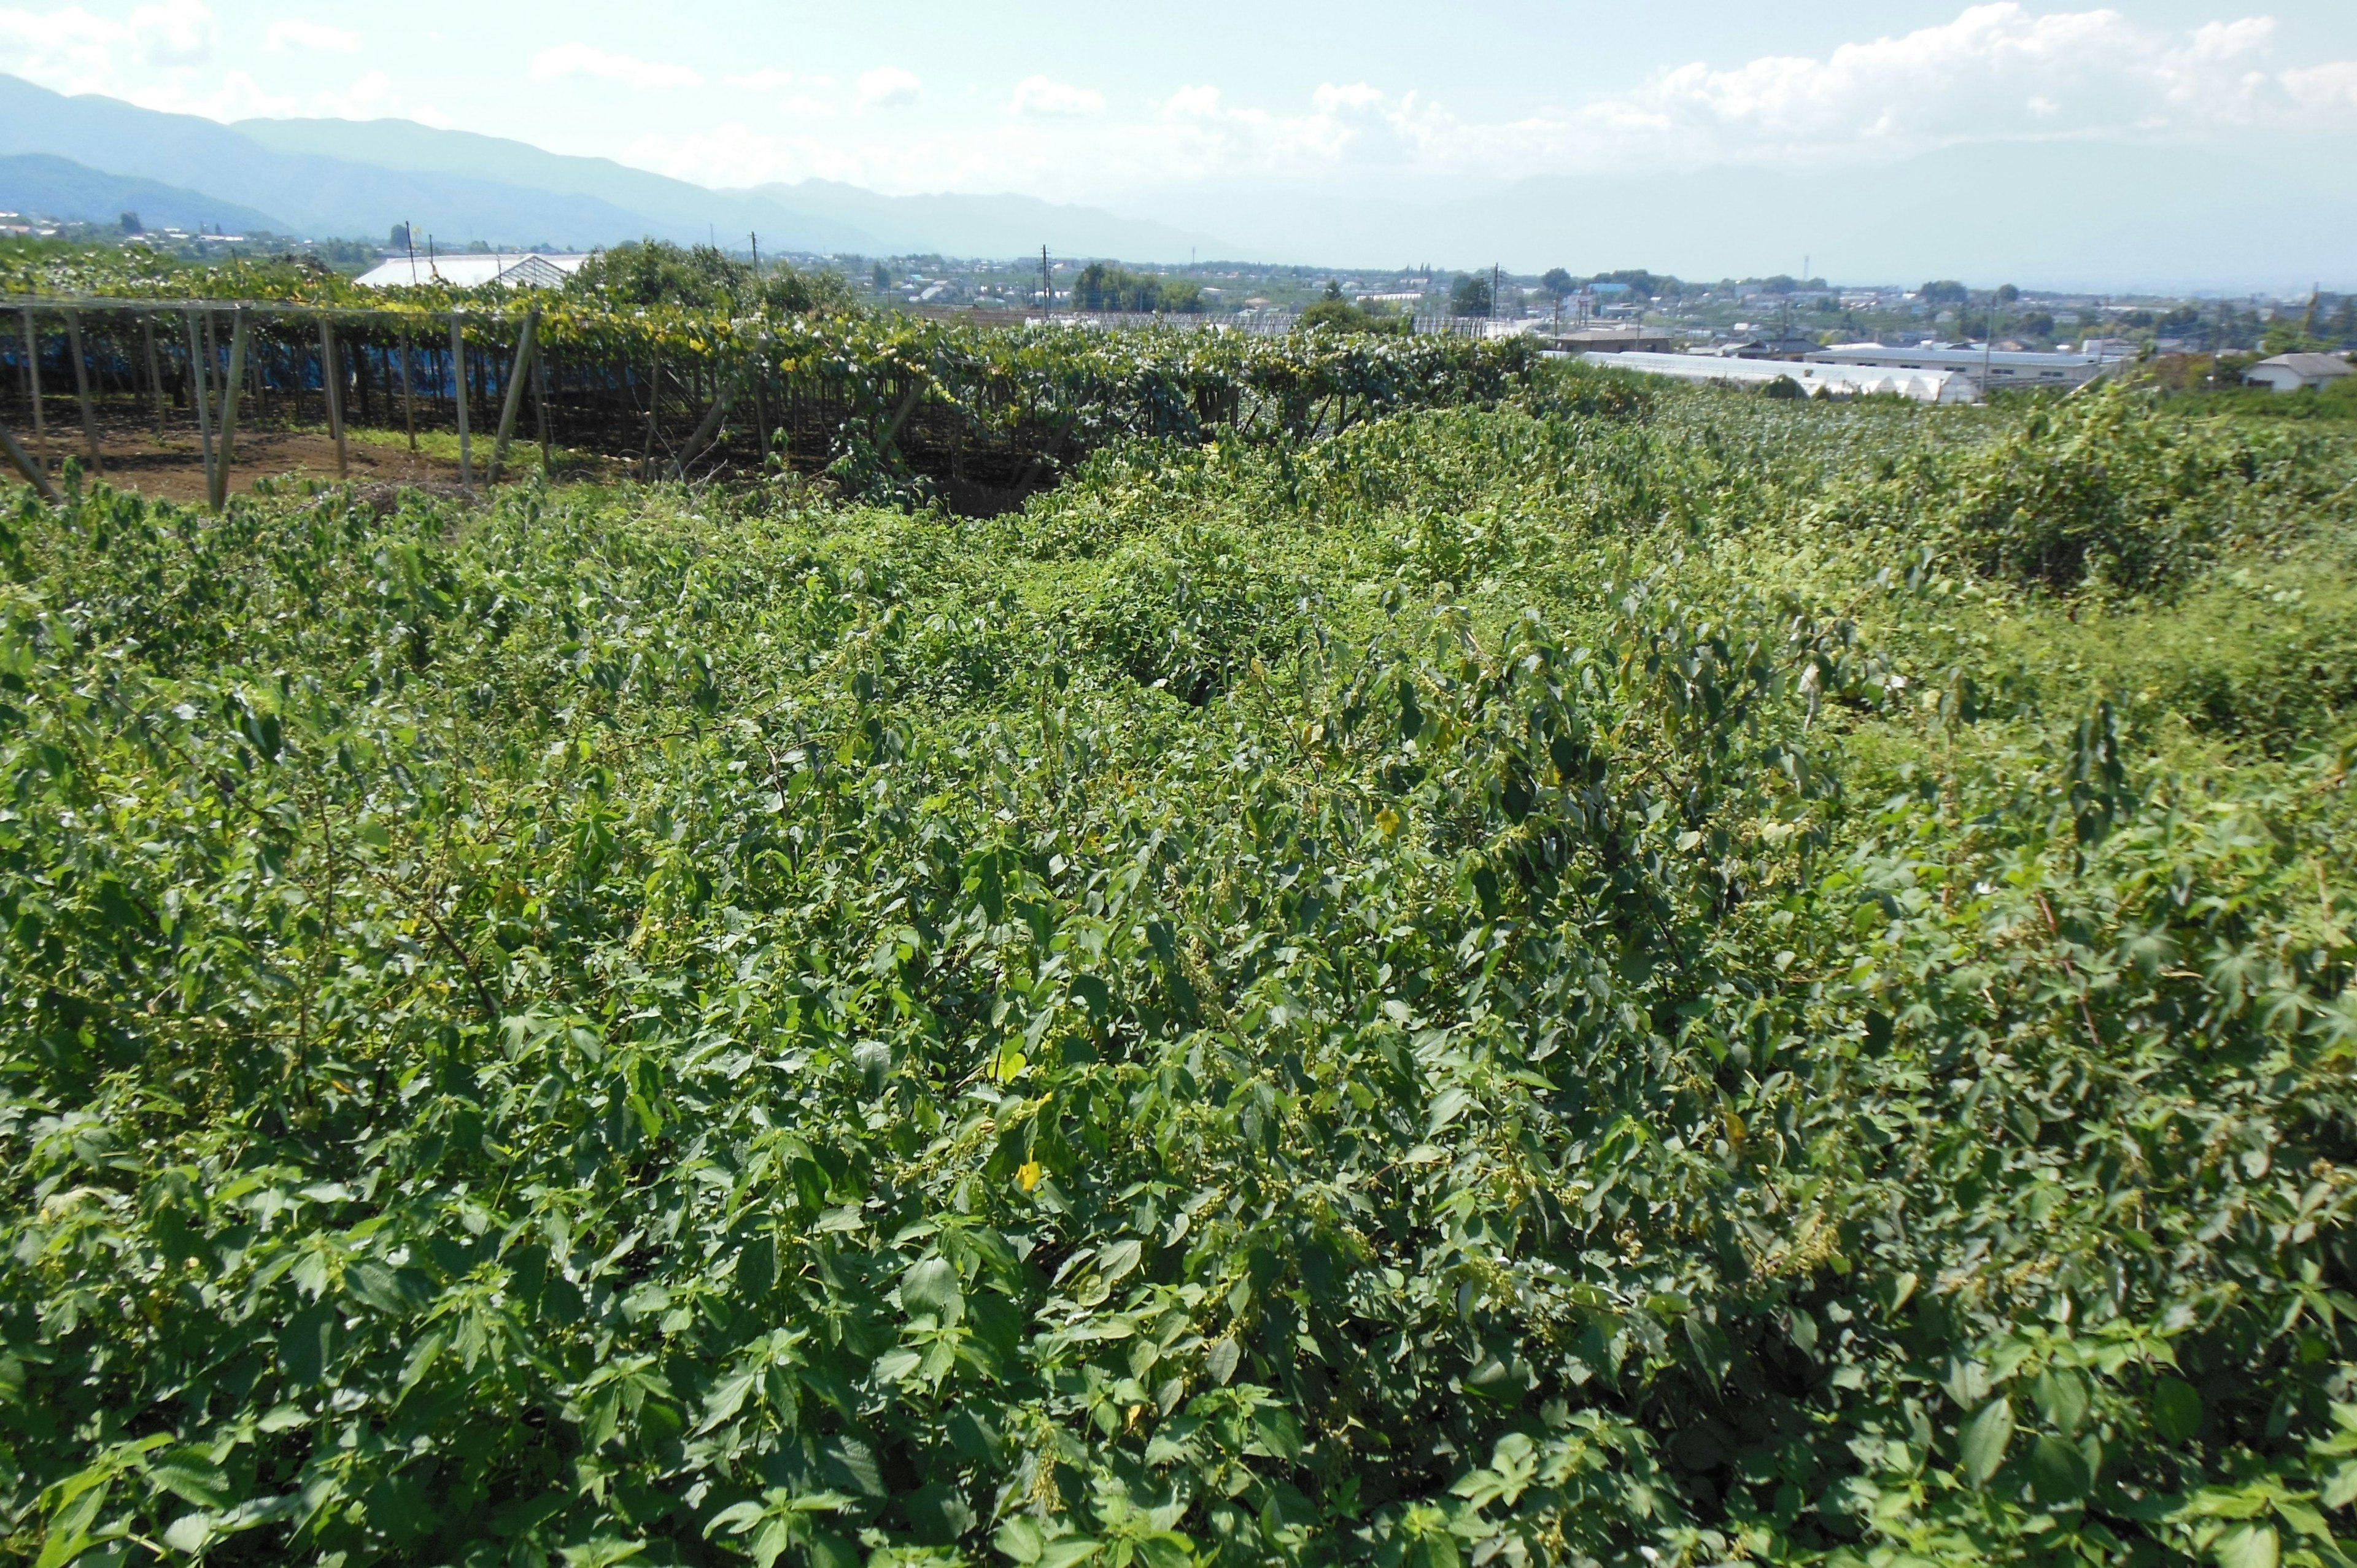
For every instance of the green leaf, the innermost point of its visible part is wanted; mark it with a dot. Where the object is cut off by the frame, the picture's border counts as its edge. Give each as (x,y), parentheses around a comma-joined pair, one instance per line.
(2176,1409)
(190,1474)
(1117,1259)
(932,1285)
(2058,1470)
(2248,1546)
(1984,1440)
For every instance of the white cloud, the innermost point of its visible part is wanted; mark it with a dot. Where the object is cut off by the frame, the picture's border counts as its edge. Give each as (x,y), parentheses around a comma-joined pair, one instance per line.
(291,33)
(1040,95)
(1996,70)
(889,87)
(583,59)
(766,79)
(75,50)
(176,33)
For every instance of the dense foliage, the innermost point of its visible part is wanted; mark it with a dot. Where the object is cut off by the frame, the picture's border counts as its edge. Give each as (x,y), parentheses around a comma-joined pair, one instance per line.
(1595,979)
(703,278)
(1108,286)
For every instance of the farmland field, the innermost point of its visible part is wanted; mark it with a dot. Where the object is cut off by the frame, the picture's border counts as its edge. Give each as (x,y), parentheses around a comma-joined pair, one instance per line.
(1621,974)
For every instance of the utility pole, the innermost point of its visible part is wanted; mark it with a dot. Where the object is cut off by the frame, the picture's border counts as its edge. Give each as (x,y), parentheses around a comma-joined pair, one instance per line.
(1047,284)
(1494,291)
(757,254)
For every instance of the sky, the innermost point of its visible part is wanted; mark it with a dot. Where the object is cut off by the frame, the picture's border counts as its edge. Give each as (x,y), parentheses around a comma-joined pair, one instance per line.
(1405,99)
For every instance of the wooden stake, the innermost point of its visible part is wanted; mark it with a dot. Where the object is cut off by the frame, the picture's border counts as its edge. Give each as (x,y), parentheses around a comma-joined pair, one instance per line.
(704,432)
(237,363)
(82,389)
(408,391)
(331,380)
(155,370)
(654,401)
(540,403)
(459,392)
(514,397)
(200,395)
(22,461)
(33,384)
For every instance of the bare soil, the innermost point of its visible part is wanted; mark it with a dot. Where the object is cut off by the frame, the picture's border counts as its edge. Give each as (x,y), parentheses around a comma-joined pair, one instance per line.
(131,458)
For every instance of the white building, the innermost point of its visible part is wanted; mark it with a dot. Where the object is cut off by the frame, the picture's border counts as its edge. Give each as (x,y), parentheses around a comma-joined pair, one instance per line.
(2005,368)
(1833,380)
(2297,373)
(472,269)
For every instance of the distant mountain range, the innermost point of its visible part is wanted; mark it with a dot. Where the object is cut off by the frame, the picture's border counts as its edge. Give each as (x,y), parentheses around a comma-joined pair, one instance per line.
(2271,212)
(356,178)
(60,188)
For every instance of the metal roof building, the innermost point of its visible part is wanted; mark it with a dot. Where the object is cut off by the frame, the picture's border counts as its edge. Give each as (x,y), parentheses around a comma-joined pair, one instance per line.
(472,269)
(2005,368)
(1832,381)
(2293,372)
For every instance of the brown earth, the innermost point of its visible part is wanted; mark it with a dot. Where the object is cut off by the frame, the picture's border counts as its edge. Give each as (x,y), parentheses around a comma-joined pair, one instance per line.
(131,458)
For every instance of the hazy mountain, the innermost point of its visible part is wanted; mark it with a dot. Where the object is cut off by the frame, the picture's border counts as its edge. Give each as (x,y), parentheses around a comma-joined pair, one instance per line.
(990,225)
(2064,214)
(668,209)
(60,188)
(810,215)
(310,194)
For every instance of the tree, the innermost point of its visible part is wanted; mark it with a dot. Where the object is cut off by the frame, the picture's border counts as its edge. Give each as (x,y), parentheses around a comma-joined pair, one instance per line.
(1557,281)
(1943,291)
(1469,296)
(703,278)
(881,277)
(131,224)
(2008,294)
(399,239)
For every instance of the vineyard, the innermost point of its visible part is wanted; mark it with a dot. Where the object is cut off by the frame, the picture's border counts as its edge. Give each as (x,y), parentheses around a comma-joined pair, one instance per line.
(885,407)
(1540,970)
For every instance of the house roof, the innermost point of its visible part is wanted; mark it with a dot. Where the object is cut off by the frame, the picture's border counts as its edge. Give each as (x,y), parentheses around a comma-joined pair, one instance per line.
(2309,365)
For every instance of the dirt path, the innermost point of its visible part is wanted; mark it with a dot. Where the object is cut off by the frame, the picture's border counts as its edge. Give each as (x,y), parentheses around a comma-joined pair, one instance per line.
(173,470)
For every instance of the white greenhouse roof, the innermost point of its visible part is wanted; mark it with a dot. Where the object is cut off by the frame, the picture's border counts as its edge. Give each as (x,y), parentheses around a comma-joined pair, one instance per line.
(473,269)
(1835,380)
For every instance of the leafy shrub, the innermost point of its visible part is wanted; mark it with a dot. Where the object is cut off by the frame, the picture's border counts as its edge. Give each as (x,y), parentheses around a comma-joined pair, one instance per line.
(637,1027)
(2100,490)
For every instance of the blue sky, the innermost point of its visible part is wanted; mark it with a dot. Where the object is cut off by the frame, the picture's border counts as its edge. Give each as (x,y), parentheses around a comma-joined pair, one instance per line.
(1405,99)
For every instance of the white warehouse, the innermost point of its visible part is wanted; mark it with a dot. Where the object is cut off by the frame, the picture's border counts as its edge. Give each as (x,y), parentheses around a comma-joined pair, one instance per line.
(2005,368)
(1830,381)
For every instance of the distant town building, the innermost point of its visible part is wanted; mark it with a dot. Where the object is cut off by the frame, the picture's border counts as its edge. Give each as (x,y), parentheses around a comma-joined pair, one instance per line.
(1789,345)
(1612,339)
(2297,373)
(2004,368)
(1811,379)
(472,269)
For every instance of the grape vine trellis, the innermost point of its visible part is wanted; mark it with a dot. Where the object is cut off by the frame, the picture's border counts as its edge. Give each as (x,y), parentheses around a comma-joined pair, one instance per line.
(885,405)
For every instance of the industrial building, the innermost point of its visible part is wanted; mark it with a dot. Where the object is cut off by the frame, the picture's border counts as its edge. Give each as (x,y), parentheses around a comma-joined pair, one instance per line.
(1814,380)
(2005,368)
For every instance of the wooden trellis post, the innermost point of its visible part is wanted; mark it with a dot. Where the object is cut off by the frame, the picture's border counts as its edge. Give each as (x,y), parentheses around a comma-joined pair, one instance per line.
(33,385)
(509,404)
(237,370)
(82,389)
(155,370)
(408,391)
(458,395)
(539,404)
(331,383)
(200,396)
(22,461)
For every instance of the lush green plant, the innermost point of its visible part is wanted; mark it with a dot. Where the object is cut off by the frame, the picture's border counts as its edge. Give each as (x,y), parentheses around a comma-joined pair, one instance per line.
(1534,983)
(655,272)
